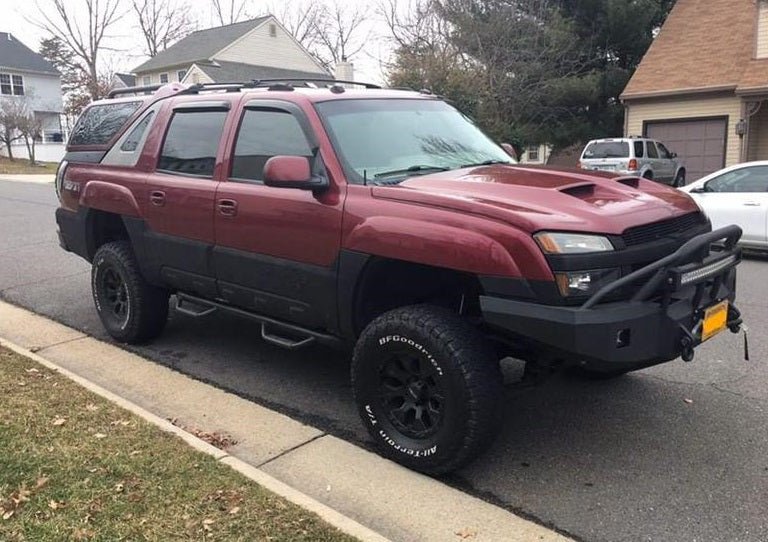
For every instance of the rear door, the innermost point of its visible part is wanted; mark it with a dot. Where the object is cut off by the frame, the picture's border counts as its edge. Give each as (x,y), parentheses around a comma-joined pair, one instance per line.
(739,197)
(180,195)
(277,248)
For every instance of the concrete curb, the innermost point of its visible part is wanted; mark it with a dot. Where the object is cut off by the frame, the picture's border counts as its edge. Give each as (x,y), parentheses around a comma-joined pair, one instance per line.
(326,513)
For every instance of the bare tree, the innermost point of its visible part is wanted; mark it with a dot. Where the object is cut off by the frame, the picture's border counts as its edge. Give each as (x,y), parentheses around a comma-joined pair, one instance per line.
(12,112)
(84,31)
(229,11)
(302,19)
(339,35)
(162,22)
(31,130)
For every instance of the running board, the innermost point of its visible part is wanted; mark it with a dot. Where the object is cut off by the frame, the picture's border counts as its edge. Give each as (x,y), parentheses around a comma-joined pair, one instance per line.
(282,334)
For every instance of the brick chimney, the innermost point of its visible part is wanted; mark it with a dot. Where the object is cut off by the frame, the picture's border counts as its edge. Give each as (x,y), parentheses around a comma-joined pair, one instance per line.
(344,70)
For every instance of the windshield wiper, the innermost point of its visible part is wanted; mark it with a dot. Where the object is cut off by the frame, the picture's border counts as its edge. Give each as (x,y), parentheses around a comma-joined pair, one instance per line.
(412,169)
(486,163)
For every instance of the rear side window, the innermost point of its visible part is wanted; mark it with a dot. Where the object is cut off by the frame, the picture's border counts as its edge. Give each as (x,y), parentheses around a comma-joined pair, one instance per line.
(191,143)
(99,123)
(639,149)
(607,149)
(264,134)
(131,143)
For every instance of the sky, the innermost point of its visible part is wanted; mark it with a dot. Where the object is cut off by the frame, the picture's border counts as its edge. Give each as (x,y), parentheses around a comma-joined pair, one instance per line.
(15,17)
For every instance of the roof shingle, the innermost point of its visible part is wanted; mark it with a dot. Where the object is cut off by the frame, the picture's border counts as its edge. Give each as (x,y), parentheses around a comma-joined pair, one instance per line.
(704,45)
(16,55)
(236,72)
(200,45)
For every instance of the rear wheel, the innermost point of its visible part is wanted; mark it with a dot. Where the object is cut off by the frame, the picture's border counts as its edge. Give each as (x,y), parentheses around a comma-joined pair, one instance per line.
(427,386)
(131,310)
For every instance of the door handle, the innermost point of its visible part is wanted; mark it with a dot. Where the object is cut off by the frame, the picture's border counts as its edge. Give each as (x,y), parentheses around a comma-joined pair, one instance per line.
(157,197)
(752,203)
(227,207)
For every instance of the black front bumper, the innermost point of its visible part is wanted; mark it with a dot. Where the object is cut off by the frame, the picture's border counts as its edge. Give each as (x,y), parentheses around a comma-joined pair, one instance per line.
(661,321)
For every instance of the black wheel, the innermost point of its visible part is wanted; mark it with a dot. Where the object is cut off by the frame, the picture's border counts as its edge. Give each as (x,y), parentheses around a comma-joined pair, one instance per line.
(428,388)
(679,179)
(131,310)
(648,175)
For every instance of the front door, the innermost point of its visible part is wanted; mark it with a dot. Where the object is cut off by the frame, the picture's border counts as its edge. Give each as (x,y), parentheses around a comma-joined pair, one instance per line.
(277,248)
(181,194)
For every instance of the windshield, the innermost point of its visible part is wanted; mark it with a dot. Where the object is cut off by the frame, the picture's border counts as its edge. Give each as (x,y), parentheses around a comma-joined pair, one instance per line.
(395,138)
(607,149)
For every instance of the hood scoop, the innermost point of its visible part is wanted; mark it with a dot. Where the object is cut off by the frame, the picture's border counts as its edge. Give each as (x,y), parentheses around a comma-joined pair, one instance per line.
(581,190)
(632,182)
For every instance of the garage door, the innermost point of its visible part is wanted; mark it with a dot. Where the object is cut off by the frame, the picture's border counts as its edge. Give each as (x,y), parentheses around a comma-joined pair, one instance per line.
(699,143)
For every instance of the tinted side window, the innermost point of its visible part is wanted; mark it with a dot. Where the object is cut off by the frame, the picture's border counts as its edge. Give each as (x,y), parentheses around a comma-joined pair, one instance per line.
(748,179)
(99,123)
(134,138)
(191,142)
(262,135)
(652,150)
(639,149)
(663,152)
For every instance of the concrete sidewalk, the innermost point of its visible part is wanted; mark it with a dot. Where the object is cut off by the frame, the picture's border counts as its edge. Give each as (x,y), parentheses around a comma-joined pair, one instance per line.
(375,493)
(32,178)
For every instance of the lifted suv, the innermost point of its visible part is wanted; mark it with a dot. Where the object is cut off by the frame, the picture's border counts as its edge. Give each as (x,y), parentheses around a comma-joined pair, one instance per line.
(385,222)
(639,157)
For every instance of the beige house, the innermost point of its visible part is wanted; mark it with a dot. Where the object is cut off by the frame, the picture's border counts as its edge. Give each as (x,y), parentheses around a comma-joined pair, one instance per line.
(535,154)
(702,85)
(256,49)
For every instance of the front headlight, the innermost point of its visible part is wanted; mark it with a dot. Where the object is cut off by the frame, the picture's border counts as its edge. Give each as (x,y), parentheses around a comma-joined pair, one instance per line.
(572,243)
(583,283)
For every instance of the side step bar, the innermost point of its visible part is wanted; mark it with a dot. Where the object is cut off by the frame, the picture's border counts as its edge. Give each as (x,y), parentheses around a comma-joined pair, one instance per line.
(294,336)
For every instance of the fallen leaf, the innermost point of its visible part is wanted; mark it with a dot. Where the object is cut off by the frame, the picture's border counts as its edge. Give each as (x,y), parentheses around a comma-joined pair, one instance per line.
(119,487)
(55,505)
(41,482)
(124,423)
(135,452)
(8,514)
(464,534)
(100,435)
(90,407)
(31,371)
(59,421)
(689,401)
(235,510)
(209,521)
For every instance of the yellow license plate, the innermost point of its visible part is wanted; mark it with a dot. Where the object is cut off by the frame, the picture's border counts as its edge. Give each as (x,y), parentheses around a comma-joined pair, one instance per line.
(715,319)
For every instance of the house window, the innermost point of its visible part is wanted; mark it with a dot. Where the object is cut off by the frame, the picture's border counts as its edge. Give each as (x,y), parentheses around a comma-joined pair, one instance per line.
(146,80)
(272,30)
(163,78)
(180,75)
(11,85)
(533,153)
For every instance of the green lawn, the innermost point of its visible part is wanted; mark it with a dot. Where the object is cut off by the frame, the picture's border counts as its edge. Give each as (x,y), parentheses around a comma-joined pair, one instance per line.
(21,166)
(74,466)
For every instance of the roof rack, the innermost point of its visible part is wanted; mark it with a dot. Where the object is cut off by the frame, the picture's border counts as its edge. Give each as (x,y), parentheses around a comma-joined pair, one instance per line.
(133,90)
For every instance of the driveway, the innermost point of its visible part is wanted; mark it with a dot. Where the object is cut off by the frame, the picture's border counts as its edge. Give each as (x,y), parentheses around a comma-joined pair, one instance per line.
(672,453)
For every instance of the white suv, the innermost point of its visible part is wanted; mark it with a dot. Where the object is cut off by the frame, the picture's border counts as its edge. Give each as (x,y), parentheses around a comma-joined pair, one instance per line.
(640,157)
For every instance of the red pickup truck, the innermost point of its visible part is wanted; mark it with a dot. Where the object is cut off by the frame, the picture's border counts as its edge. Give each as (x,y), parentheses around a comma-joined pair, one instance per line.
(386,222)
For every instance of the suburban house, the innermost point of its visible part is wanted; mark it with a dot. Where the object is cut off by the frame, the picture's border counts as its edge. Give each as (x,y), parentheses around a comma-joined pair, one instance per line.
(702,85)
(123,80)
(256,49)
(26,75)
(535,154)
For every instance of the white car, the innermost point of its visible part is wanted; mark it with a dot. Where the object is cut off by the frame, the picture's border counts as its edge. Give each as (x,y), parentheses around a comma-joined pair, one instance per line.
(736,195)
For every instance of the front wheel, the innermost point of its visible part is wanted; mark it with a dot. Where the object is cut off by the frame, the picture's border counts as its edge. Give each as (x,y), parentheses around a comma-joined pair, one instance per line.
(131,310)
(428,388)
(679,179)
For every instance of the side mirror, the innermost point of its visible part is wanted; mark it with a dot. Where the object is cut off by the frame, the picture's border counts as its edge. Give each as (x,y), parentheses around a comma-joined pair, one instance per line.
(292,172)
(673,154)
(510,150)
(697,190)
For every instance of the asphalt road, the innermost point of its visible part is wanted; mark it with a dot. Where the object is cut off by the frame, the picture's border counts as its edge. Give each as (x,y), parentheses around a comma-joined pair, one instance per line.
(673,453)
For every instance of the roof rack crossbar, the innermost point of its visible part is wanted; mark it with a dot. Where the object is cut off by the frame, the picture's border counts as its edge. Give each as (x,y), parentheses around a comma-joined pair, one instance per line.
(133,90)
(263,82)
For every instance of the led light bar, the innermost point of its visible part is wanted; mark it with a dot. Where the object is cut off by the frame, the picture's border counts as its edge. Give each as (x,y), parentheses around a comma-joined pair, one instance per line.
(703,273)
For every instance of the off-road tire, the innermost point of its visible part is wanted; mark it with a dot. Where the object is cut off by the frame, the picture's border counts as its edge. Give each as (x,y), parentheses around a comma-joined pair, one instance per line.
(463,367)
(145,307)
